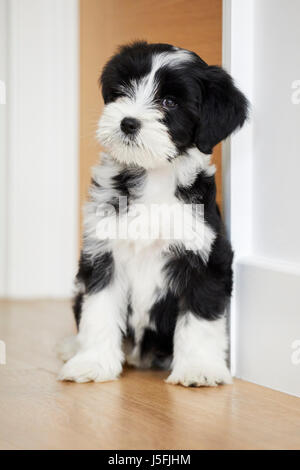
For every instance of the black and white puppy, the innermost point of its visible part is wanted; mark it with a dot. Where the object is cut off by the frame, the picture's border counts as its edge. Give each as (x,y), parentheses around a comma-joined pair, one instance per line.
(156,300)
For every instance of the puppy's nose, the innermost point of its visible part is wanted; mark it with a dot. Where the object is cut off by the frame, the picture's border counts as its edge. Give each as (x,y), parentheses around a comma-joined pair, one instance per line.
(130,125)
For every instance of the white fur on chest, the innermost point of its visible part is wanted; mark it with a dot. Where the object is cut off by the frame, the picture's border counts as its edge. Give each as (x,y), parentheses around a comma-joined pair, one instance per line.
(143,259)
(156,217)
(146,223)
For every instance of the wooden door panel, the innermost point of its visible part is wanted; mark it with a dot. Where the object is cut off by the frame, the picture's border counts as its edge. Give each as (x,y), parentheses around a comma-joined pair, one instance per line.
(105,24)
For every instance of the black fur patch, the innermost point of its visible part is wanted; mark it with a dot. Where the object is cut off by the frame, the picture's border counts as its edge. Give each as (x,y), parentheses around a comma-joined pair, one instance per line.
(129,330)
(132,61)
(203,191)
(159,342)
(223,107)
(95,274)
(203,289)
(126,184)
(77,307)
(128,181)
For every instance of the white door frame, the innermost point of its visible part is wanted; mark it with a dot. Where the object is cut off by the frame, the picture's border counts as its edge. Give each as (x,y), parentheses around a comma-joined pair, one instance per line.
(265,308)
(237,150)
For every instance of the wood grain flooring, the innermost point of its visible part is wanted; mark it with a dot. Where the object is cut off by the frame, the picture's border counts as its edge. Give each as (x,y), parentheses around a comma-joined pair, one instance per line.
(139,411)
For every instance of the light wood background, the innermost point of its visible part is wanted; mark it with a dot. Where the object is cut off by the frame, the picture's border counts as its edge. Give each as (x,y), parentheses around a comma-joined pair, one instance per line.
(105,24)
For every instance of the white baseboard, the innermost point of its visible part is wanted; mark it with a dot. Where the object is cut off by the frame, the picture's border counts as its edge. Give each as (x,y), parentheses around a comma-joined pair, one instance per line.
(267,323)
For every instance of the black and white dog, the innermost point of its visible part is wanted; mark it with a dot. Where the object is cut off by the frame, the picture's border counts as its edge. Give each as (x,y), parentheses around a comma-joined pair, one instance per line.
(156,300)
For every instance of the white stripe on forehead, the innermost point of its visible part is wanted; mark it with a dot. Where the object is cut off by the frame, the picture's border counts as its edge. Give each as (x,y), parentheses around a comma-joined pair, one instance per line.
(170,58)
(144,89)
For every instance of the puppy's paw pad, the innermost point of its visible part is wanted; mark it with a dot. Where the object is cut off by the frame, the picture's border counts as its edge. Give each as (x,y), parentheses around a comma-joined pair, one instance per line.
(83,370)
(205,378)
(67,348)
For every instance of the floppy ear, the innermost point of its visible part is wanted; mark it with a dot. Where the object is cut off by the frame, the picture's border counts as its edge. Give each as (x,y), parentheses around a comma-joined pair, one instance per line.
(223,108)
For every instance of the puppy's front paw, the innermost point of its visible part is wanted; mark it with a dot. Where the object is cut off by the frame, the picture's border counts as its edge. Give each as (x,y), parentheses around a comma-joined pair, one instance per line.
(86,368)
(201,376)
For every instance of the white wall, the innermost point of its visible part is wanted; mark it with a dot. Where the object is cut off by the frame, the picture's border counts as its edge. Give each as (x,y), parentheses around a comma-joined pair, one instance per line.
(265,192)
(276,130)
(42,103)
(3,160)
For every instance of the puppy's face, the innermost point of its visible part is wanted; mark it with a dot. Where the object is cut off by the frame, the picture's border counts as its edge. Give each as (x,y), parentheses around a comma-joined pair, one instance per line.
(160,101)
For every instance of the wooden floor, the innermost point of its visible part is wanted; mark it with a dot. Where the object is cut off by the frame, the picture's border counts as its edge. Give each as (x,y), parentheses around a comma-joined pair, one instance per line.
(139,411)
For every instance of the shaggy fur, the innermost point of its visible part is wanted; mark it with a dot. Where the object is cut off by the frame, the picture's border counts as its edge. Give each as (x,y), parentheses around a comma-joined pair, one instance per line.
(156,301)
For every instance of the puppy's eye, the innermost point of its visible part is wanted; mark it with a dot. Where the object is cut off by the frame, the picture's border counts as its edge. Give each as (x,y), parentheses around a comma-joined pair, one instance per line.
(169,103)
(114,94)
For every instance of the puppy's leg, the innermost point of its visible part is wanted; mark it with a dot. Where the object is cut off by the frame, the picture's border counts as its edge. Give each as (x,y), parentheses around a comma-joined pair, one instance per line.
(199,352)
(99,357)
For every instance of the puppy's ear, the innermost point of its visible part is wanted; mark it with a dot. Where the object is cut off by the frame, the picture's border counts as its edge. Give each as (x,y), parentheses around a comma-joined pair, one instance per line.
(223,108)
